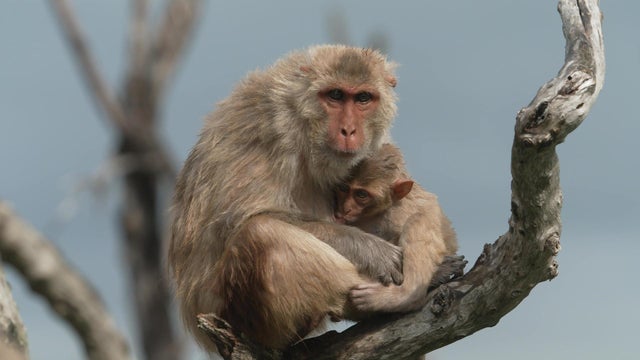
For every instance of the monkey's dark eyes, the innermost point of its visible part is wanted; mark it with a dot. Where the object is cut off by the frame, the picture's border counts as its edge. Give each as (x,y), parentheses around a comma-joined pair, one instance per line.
(344,188)
(361,194)
(363,97)
(336,94)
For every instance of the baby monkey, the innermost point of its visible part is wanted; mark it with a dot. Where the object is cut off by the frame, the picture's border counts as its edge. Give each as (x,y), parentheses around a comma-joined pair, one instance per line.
(380,198)
(375,186)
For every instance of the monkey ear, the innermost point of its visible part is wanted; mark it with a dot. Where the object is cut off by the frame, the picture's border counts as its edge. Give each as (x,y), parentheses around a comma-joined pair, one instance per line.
(401,188)
(391,80)
(307,70)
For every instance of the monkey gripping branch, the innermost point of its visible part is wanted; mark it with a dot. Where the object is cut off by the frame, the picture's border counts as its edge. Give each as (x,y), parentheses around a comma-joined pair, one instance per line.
(508,269)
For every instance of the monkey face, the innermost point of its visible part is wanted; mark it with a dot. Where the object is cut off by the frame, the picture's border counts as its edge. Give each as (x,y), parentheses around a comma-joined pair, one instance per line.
(353,203)
(348,109)
(347,102)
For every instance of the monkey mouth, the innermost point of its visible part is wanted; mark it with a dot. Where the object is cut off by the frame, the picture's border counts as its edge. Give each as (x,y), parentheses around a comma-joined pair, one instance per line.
(340,150)
(347,155)
(343,152)
(344,219)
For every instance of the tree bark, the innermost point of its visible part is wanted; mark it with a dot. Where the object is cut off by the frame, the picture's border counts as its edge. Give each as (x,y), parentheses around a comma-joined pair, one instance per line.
(508,269)
(13,336)
(66,291)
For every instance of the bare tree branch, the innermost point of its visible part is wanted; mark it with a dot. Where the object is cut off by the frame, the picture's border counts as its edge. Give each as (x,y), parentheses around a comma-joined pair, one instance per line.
(380,41)
(337,27)
(104,98)
(135,116)
(13,336)
(173,34)
(68,293)
(74,36)
(139,37)
(231,345)
(338,31)
(508,269)
(141,220)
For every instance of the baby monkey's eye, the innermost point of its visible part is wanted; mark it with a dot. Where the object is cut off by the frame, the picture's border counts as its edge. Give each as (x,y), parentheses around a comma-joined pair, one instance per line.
(361,194)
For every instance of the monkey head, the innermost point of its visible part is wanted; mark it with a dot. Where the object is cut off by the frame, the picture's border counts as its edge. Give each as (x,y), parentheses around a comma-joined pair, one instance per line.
(347,104)
(357,202)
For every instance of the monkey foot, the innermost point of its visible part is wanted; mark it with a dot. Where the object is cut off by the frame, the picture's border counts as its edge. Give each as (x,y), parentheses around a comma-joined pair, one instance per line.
(452,267)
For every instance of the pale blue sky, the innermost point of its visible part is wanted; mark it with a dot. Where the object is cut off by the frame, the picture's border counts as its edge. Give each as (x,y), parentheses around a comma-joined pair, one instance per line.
(466,68)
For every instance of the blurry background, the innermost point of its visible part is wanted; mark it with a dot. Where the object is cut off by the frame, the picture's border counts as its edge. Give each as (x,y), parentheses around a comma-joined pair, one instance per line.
(467,67)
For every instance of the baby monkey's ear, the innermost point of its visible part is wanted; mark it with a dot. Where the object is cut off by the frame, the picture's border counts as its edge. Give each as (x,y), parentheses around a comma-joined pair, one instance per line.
(401,188)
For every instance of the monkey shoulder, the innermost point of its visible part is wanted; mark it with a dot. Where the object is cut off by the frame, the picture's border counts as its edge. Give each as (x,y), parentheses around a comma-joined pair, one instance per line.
(419,206)
(419,200)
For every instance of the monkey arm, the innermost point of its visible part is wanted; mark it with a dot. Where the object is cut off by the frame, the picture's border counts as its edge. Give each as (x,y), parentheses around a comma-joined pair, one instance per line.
(427,240)
(373,256)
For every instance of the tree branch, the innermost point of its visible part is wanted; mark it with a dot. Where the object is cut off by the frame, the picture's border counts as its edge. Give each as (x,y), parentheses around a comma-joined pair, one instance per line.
(13,336)
(231,345)
(87,64)
(508,269)
(135,116)
(139,38)
(140,220)
(104,99)
(173,33)
(68,294)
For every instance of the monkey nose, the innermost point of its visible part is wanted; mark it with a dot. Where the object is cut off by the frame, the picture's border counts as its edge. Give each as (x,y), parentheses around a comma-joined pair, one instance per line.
(347,132)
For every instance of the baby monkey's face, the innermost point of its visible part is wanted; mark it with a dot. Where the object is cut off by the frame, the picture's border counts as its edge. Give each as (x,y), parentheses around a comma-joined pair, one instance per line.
(352,203)
(357,202)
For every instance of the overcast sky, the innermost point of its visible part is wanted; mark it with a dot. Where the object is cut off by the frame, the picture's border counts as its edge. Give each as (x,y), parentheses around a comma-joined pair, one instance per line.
(467,67)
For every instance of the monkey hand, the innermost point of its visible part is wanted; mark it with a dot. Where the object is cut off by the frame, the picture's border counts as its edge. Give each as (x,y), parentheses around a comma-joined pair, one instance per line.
(374,257)
(383,262)
(374,297)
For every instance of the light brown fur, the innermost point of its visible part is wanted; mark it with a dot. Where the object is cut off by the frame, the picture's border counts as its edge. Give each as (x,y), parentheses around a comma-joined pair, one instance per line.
(265,167)
(415,222)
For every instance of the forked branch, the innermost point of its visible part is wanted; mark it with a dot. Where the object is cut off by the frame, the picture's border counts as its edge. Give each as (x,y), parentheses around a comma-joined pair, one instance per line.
(153,57)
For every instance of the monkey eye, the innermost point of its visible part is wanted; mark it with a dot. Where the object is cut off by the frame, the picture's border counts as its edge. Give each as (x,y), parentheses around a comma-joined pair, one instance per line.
(336,94)
(361,194)
(343,188)
(363,97)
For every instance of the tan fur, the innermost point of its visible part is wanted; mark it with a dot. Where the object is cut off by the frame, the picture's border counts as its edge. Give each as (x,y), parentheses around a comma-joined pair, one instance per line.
(265,165)
(415,222)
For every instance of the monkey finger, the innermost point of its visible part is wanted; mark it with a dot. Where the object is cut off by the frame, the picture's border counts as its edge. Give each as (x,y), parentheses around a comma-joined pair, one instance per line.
(365,286)
(394,276)
(359,297)
(395,273)
(385,279)
(364,291)
(364,300)
(398,278)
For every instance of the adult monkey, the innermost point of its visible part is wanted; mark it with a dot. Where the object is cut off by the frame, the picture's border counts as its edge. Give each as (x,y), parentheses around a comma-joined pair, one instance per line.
(267,160)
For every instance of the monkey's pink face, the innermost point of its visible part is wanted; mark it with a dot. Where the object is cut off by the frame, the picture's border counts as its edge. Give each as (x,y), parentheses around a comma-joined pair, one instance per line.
(348,109)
